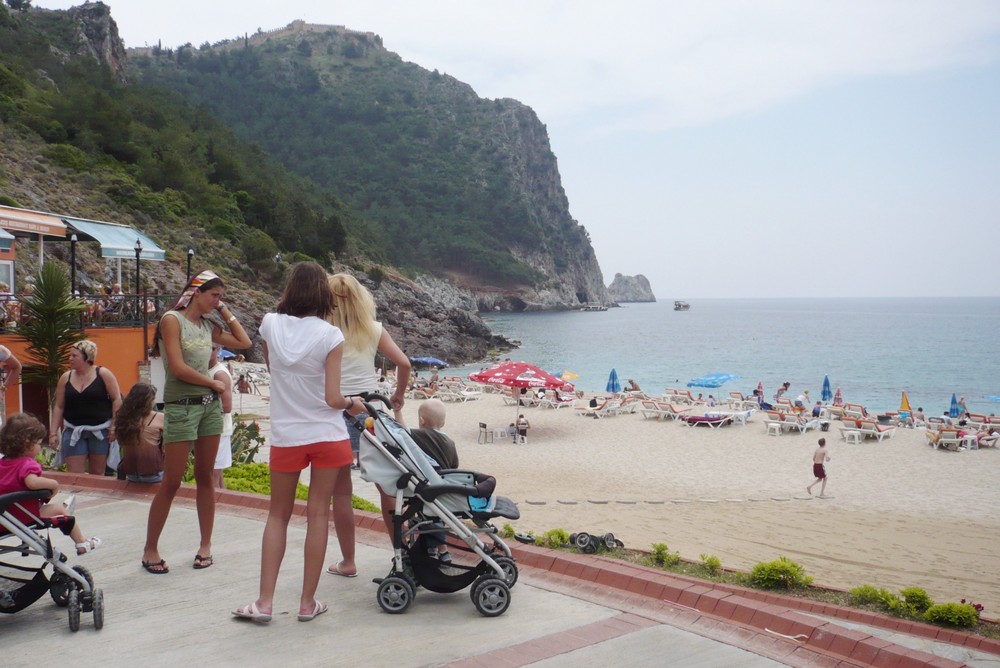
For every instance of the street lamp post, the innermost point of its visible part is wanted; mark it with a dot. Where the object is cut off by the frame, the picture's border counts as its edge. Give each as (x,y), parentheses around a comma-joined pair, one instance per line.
(72,266)
(190,256)
(138,304)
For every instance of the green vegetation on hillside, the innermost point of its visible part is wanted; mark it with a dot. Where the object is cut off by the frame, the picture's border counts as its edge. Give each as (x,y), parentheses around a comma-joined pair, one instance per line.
(450,178)
(153,152)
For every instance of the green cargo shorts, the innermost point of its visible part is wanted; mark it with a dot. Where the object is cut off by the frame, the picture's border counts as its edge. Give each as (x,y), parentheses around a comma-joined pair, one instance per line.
(190,422)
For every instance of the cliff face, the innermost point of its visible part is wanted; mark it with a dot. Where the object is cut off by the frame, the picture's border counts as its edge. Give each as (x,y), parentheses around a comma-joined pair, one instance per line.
(631,289)
(95,35)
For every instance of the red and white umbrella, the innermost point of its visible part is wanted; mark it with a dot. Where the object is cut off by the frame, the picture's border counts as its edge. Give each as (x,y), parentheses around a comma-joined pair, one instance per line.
(519,374)
(838,398)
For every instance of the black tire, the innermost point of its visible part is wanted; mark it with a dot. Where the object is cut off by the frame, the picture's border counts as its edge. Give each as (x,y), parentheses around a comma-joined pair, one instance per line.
(98,605)
(395,595)
(609,541)
(60,585)
(583,540)
(73,604)
(491,596)
(509,569)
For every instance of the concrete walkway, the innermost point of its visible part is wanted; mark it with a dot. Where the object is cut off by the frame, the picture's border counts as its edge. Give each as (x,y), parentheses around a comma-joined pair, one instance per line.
(566,610)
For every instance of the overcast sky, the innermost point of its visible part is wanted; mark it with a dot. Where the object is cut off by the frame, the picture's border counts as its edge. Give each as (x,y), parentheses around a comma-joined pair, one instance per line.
(723,149)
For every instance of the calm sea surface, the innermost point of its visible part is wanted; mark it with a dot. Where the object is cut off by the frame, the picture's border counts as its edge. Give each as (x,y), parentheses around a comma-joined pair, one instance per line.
(871,348)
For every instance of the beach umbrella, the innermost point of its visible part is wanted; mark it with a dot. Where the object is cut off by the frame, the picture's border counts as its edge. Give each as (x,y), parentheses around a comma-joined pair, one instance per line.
(712,380)
(613,384)
(519,374)
(838,398)
(904,403)
(569,375)
(226,354)
(954,411)
(429,361)
(827,394)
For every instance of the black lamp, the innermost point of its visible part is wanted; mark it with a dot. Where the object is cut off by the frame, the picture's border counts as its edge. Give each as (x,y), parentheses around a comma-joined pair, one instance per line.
(138,252)
(190,256)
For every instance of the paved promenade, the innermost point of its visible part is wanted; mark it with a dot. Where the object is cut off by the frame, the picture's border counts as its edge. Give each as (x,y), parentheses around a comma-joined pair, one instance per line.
(566,610)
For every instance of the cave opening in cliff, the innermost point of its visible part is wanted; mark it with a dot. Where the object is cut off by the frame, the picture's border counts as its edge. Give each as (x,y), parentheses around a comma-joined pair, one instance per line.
(582,298)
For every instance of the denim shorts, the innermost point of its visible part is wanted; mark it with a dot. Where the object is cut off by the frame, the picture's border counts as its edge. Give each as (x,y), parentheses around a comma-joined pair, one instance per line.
(90,443)
(352,430)
(191,422)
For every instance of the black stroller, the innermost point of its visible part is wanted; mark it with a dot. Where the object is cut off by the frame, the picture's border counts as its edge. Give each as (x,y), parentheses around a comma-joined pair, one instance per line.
(26,551)
(435,506)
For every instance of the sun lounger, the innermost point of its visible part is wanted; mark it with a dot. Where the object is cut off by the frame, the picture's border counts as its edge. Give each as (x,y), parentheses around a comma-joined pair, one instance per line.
(650,410)
(802,426)
(561,402)
(711,421)
(672,412)
(609,407)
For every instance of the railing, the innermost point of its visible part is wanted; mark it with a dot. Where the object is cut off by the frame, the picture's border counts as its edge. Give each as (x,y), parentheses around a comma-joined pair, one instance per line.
(123,310)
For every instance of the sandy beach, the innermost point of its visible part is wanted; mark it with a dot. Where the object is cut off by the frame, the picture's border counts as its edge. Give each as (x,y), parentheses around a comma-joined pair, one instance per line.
(899,513)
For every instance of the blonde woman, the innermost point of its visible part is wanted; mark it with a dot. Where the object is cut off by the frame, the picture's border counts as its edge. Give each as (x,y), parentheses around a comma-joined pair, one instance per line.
(87,398)
(354,314)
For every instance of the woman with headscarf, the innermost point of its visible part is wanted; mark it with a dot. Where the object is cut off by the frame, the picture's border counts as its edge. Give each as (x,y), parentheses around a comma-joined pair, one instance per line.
(354,314)
(87,398)
(192,408)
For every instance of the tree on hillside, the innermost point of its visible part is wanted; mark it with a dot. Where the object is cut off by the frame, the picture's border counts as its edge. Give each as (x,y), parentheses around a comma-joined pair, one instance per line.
(50,326)
(19,5)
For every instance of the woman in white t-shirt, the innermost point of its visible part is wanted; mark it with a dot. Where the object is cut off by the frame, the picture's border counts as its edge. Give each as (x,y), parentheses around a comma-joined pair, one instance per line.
(354,314)
(303,354)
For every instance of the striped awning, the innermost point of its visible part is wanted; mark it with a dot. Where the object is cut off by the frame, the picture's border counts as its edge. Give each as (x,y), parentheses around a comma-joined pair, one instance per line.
(116,240)
(24,222)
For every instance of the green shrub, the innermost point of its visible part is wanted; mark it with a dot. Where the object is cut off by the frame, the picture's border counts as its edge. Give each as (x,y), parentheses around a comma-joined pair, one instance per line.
(782,573)
(506,531)
(554,538)
(958,615)
(917,599)
(662,556)
(68,156)
(711,564)
(869,595)
(246,440)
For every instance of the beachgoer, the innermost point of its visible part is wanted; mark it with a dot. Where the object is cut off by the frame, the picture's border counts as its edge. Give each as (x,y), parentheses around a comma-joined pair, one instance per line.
(20,444)
(963,410)
(919,418)
(224,457)
(802,400)
(632,386)
(711,402)
(820,456)
(140,436)
(430,438)
(303,354)
(512,431)
(87,398)
(353,313)
(817,409)
(781,391)
(522,428)
(184,337)
(10,367)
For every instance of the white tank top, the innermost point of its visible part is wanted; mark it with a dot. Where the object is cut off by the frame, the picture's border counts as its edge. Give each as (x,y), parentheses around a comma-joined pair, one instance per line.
(357,370)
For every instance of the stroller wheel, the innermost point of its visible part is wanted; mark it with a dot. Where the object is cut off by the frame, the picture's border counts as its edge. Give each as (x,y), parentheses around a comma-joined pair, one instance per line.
(583,540)
(609,541)
(73,603)
(98,605)
(509,569)
(60,585)
(395,594)
(491,596)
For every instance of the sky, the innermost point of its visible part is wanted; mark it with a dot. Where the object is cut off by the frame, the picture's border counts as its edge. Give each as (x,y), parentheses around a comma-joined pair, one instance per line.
(777,148)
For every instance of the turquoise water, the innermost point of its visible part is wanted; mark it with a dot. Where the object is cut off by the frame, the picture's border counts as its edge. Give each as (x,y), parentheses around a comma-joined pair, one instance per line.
(872,348)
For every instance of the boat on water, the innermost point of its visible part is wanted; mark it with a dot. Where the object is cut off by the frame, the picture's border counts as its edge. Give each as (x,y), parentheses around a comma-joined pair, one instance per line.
(593,307)
(681,306)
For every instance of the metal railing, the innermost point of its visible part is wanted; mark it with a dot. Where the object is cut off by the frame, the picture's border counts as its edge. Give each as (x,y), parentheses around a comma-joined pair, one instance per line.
(102,310)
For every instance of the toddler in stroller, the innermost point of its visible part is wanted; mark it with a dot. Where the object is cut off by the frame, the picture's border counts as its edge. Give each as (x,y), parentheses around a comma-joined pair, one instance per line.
(23,511)
(432,506)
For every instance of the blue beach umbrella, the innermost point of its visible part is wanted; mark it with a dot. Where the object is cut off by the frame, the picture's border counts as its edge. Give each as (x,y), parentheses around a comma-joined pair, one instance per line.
(827,394)
(712,380)
(954,410)
(429,361)
(613,384)
(226,354)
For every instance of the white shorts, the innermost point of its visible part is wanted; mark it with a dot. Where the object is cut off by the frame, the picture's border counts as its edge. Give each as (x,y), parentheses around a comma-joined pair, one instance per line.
(224,459)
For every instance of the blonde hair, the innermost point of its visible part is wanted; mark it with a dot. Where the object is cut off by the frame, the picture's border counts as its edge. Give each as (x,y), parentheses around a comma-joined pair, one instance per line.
(88,349)
(431,414)
(353,311)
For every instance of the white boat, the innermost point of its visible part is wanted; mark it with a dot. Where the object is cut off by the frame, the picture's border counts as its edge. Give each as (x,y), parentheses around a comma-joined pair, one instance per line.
(593,307)
(681,306)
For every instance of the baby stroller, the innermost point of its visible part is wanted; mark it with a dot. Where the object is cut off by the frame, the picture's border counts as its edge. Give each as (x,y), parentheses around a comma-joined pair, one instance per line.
(25,553)
(436,506)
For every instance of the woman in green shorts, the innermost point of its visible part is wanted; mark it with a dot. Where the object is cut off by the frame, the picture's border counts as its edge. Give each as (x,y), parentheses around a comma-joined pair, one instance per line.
(193,411)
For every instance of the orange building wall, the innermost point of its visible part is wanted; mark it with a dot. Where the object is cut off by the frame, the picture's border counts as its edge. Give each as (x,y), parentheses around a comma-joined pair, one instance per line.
(119,349)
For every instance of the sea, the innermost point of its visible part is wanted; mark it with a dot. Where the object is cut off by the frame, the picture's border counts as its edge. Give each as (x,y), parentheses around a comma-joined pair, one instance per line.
(873,349)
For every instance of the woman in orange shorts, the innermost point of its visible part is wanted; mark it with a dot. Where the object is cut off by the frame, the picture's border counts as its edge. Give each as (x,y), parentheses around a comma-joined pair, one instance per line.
(303,353)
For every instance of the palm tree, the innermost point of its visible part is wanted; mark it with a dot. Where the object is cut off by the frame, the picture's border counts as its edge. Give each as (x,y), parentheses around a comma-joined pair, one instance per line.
(50,325)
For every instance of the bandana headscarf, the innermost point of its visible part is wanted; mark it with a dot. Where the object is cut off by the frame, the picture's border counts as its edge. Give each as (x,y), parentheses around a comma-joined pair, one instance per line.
(198,281)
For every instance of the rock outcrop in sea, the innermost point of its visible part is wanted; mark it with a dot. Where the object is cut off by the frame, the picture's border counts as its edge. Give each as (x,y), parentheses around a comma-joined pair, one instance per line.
(631,289)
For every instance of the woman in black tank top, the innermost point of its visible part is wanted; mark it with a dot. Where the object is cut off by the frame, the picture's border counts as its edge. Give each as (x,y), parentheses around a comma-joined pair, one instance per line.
(87,398)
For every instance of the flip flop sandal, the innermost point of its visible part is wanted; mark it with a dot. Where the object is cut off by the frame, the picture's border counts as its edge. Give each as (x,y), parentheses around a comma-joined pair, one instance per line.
(156,567)
(318,609)
(201,562)
(335,570)
(253,613)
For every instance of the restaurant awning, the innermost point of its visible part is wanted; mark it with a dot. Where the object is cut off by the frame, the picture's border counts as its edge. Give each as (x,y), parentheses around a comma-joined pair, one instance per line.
(29,223)
(116,240)
(6,239)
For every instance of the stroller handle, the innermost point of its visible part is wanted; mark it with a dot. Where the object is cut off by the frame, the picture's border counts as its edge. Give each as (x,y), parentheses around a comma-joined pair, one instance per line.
(11,498)
(373,396)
